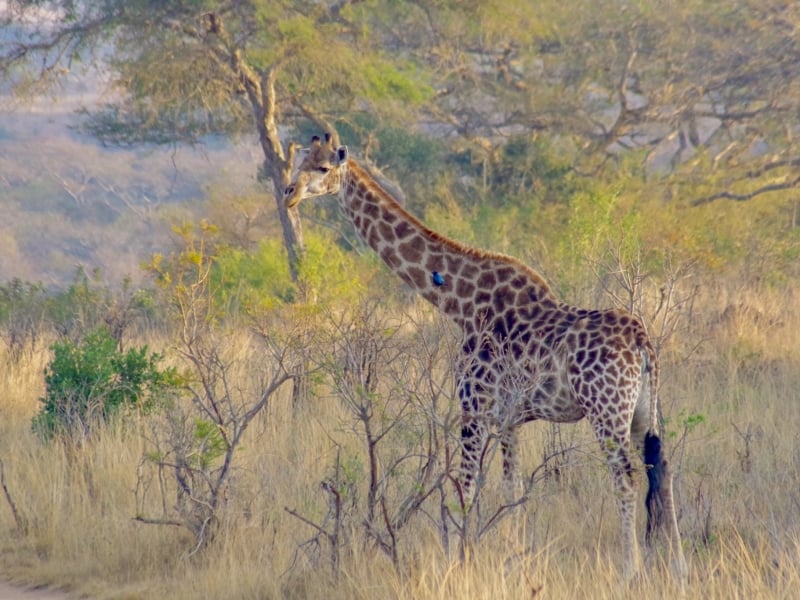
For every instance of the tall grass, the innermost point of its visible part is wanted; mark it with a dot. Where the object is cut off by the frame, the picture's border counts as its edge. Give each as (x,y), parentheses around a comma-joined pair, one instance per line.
(731,402)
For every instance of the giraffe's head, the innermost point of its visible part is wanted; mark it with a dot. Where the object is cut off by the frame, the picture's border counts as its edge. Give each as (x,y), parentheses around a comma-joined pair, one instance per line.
(317,170)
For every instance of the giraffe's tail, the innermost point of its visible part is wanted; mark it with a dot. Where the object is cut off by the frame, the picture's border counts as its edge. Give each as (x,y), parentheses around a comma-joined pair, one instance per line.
(656,480)
(660,502)
(653,454)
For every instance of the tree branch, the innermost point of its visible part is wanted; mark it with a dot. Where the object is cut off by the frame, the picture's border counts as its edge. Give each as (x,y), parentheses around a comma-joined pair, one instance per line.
(65,40)
(726,195)
(149,521)
(20,521)
(776,164)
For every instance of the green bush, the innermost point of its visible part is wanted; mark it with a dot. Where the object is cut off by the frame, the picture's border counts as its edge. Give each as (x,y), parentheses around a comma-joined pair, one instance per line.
(90,381)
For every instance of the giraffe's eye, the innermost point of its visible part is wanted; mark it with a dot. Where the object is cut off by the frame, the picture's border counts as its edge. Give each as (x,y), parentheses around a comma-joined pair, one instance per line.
(323,169)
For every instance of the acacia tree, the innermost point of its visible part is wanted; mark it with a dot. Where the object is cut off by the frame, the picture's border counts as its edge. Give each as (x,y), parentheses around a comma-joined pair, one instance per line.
(706,91)
(185,69)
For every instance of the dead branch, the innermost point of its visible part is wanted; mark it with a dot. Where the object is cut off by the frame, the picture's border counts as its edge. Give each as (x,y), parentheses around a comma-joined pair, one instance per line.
(19,520)
(765,189)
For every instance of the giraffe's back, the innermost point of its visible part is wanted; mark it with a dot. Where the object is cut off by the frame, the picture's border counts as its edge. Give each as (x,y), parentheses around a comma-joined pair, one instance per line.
(559,364)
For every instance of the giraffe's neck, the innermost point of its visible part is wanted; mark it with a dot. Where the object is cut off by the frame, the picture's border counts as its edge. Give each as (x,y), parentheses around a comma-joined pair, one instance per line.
(464,283)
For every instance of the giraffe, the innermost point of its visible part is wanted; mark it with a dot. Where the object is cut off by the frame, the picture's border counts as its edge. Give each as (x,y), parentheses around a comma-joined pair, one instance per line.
(525,355)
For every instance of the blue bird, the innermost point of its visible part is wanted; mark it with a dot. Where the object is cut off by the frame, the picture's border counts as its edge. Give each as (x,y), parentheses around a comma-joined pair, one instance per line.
(437,278)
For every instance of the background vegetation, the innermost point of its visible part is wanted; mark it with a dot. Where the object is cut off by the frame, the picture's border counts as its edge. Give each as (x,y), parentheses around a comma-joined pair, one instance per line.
(300,417)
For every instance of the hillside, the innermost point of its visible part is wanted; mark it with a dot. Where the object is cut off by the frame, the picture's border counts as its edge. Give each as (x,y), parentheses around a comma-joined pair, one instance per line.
(68,201)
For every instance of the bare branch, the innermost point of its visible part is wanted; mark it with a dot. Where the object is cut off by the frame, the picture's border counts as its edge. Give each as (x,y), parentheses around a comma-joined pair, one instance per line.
(149,521)
(64,43)
(765,189)
(308,522)
(772,165)
(20,521)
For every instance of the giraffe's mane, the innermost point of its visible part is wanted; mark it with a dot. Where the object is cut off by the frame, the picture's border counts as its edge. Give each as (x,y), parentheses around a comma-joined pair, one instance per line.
(375,188)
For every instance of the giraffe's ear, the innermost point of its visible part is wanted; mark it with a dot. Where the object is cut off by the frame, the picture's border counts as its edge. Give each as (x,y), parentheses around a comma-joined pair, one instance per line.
(332,139)
(341,154)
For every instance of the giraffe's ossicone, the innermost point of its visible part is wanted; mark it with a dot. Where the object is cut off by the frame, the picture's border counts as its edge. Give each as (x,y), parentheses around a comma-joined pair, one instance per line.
(525,355)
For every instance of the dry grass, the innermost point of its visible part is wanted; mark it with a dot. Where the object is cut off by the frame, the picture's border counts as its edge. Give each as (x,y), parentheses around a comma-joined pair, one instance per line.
(733,421)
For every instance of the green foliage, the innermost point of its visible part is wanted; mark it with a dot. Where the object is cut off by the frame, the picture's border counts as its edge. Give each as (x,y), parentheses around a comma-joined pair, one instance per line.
(588,223)
(533,168)
(509,198)
(209,445)
(90,381)
(255,280)
(299,30)
(210,281)
(352,469)
(390,82)
(409,152)
(182,87)
(329,272)
(259,281)
(693,420)
(593,219)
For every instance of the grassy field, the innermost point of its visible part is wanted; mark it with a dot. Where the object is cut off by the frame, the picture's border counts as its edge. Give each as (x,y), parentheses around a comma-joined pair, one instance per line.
(730,398)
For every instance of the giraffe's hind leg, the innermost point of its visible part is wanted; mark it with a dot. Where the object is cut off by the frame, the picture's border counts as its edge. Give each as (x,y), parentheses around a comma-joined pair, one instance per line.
(615,443)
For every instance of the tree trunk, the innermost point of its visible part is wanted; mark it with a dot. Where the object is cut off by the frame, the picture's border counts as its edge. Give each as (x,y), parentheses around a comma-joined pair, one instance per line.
(291,226)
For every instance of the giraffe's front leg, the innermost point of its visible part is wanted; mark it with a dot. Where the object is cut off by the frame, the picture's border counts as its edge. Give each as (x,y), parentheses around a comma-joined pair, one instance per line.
(474,437)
